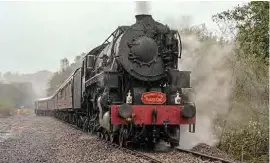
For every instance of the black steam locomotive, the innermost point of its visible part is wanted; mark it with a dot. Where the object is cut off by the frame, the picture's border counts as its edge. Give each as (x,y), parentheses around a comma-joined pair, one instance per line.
(128,89)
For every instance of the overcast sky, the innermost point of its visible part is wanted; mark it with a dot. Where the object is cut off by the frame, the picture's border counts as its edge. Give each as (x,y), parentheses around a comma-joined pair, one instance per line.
(36,35)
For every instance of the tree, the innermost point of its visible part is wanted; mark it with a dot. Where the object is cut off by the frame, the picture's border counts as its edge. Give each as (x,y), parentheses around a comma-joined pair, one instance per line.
(83,54)
(64,64)
(249,26)
(78,59)
(7,75)
(251,22)
(14,96)
(66,70)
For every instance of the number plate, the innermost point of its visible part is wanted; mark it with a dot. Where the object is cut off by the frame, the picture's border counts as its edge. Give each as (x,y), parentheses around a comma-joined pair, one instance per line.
(153,98)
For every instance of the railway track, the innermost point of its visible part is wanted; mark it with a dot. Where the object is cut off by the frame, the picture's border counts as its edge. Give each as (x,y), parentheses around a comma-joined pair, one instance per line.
(132,152)
(136,153)
(204,156)
(151,159)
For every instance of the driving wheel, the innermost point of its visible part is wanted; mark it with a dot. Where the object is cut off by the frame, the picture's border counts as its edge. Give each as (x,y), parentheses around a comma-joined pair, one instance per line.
(121,140)
(106,136)
(123,136)
(90,128)
(112,137)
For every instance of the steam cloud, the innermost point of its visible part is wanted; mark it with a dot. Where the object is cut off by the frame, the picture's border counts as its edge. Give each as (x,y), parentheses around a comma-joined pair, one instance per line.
(142,7)
(212,84)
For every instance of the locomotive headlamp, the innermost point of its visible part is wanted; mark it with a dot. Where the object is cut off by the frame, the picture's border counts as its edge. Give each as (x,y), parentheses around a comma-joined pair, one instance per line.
(125,111)
(188,111)
(177,99)
(129,119)
(129,98)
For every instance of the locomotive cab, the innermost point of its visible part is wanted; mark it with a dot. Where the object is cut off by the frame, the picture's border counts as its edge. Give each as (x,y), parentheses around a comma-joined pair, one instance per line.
(90,62)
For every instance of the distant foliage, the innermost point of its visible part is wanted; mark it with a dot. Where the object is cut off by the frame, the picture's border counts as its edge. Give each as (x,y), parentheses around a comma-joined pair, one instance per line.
(6,103)
(251,22)
(11,98)
(6,107)
(11,95)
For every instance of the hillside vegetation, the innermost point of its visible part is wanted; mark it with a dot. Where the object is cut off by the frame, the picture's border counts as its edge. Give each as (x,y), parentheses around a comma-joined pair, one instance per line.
(12,98)
(230,80)
(38,80)
(247,135)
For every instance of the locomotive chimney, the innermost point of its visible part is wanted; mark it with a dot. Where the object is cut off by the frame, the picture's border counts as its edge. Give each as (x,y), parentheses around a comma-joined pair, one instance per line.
(144,18)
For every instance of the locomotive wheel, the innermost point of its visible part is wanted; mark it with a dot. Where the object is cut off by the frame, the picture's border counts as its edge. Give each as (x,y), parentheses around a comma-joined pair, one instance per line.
(85,125)
(122,137)
(78,122)
(121,140)
(173,144)
(150,145)
(100,135)
(112,137)
(90,128)
(106,136)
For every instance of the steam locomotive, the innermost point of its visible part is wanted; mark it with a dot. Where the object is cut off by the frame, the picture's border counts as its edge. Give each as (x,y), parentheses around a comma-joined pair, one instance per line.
(128,89)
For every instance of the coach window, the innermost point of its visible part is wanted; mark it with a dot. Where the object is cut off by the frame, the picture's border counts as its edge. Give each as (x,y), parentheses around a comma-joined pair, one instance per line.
(65,92)
(59,95)
(70,91)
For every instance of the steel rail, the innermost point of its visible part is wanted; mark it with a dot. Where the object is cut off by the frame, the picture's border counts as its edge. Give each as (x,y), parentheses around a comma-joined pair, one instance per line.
(136,153)
(204,156)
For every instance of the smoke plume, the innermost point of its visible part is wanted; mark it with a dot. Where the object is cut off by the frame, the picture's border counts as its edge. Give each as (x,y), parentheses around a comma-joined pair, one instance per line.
(142,7)
(212,83)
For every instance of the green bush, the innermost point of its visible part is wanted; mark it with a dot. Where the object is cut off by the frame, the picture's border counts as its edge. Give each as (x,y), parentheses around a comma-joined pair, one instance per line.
(246,126)
(6,107)
(251,139)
